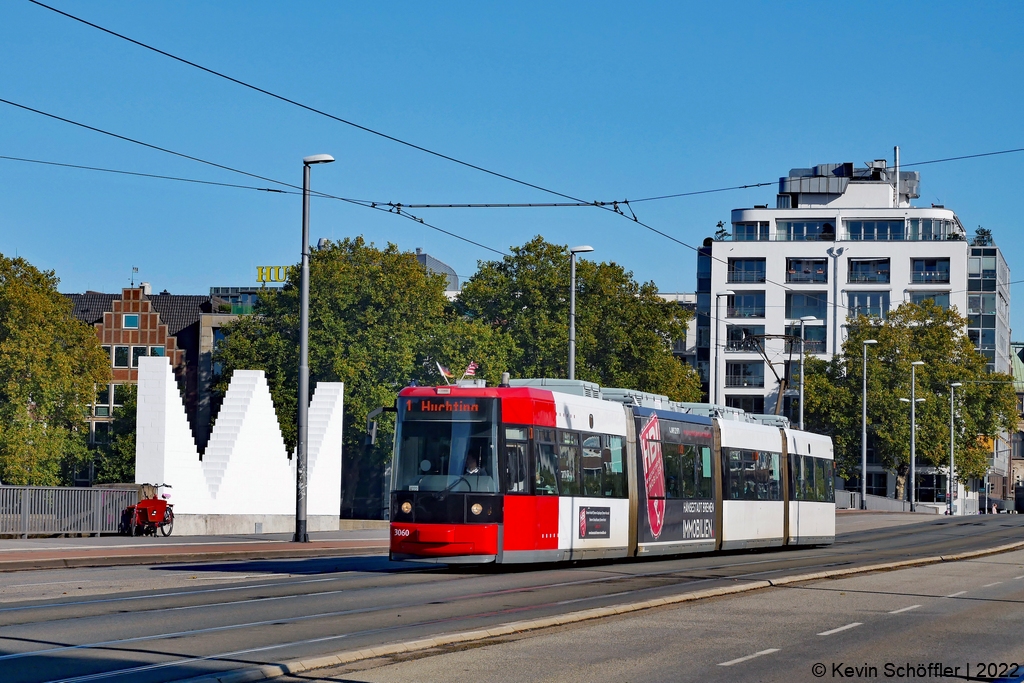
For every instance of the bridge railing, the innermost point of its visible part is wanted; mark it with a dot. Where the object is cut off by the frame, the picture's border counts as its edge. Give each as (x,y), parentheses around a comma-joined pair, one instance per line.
(50,510)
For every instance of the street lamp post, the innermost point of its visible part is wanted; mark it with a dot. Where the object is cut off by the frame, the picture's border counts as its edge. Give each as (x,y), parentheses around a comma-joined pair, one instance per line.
(803,320)
(572,305)
(952,444)
(864,429)
(835,253)
(301,536)
(718,338)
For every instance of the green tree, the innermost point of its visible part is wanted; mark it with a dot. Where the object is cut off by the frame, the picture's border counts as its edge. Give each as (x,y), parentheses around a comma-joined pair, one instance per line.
(115,462)
(985,404)
(378,320)
(49,366)
(624,330)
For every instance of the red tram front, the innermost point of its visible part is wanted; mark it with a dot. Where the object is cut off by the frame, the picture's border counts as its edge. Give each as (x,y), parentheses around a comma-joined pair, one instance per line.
(483,474)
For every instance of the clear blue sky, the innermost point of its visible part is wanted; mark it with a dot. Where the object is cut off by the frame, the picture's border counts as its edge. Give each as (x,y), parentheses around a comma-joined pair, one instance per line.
(598,100)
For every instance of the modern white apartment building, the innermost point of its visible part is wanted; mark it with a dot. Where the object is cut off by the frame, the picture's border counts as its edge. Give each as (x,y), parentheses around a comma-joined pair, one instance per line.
(840,241)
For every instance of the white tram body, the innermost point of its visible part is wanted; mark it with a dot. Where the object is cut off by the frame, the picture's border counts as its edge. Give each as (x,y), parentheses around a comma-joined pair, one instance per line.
(551,470)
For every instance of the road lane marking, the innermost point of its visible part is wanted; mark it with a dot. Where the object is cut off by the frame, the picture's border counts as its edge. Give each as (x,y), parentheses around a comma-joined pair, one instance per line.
(953,595)
(1018,577)
(748,657)
(905,609)
(989,585)
(841,628)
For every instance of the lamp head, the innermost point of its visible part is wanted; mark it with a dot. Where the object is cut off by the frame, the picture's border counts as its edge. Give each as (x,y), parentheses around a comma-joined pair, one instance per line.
(582,249)
(918,362)
(725,292)
(870,341)
(904,400)
(957,384)
(318,159)
(919,400)
(807,318)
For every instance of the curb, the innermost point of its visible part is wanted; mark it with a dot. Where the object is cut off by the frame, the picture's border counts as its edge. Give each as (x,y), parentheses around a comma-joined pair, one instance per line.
(175,558)
(295,666)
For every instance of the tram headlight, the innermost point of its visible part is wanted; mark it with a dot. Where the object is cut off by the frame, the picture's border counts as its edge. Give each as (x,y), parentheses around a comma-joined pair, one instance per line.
(406,507)
(476,508)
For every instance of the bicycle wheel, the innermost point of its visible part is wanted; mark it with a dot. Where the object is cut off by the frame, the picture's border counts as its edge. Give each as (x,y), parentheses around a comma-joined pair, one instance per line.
(167,525)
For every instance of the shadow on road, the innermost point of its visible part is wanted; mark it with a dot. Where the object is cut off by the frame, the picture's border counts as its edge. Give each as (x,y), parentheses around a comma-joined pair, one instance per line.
(311,565)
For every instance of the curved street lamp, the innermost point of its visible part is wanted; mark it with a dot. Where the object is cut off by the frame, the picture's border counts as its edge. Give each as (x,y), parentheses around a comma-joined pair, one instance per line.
(302,418)
(864,429)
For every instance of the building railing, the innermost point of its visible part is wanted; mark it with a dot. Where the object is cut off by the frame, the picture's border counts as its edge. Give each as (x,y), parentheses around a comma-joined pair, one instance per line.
(745,276)
(869,277)
(810,346)
(794,276)
(745,312)
(926,276)
(750,382)
(50,510)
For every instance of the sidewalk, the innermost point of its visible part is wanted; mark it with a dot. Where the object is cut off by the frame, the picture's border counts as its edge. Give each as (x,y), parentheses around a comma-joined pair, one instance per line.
(108,551)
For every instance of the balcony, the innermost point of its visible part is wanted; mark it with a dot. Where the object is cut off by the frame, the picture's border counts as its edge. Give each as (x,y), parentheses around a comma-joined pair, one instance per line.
(869,277)
(734,381)
(930,276)
(817,276)
(745,276)
(745,311)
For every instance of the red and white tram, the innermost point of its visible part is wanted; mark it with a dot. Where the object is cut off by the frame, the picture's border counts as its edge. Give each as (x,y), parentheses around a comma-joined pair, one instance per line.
(545,471)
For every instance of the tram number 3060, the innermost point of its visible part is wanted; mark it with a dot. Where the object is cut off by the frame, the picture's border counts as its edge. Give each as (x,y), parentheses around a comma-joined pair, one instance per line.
(401,532)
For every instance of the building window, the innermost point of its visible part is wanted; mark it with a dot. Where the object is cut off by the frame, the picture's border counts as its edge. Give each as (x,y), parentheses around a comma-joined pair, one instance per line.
(102,406)
(930,270)
(120,391)
(940,299)
(746,374)
(750,232)
(806,270)
(130,321)
(743,337)
(874,231)
(121,356)
(746,270)
(137,353)
(101,432)
(871,304)
(748,404)
(981,304)
(157,351)
(745,305)
(814,339)
(869,270)
(805,231)
(930,229)
(802,304)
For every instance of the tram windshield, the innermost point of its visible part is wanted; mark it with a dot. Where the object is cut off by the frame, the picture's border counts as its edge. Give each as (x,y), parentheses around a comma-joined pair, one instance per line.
(446,445)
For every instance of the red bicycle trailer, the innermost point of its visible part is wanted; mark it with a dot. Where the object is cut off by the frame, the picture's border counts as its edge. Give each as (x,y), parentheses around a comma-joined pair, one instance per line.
(152,514)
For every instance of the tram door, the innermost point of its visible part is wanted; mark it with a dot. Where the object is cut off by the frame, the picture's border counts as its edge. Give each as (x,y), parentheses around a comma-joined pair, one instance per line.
(531,491)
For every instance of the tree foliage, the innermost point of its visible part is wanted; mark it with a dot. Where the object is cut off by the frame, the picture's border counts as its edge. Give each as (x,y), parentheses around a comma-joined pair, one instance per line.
(985,404)
(378,320)
(624,330)
(115,461)
(49,366)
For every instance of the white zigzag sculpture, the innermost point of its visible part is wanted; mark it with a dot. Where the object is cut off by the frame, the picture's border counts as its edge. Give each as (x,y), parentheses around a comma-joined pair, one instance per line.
(245,469)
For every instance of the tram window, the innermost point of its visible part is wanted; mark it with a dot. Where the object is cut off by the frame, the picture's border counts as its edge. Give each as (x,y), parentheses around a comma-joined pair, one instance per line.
(819,479)
(569,464)
(614,476)
(807,478)
(735,483)
(593,466)
(517,466)
(688,460)
(830,481)
(704,480)
(753,475)
(515,433)
(546,475)
(673,470)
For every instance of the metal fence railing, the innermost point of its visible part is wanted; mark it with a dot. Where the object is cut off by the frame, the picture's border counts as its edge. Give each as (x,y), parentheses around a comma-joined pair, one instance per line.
(49,510)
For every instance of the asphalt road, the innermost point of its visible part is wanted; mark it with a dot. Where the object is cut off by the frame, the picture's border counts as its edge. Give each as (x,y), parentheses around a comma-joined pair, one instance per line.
(206,618)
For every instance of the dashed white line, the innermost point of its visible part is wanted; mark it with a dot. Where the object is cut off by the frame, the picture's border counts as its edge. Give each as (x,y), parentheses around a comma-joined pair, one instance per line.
(748,657)
(1016,578)
(905,609)
(841,628)
(953,595)
(989,585)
